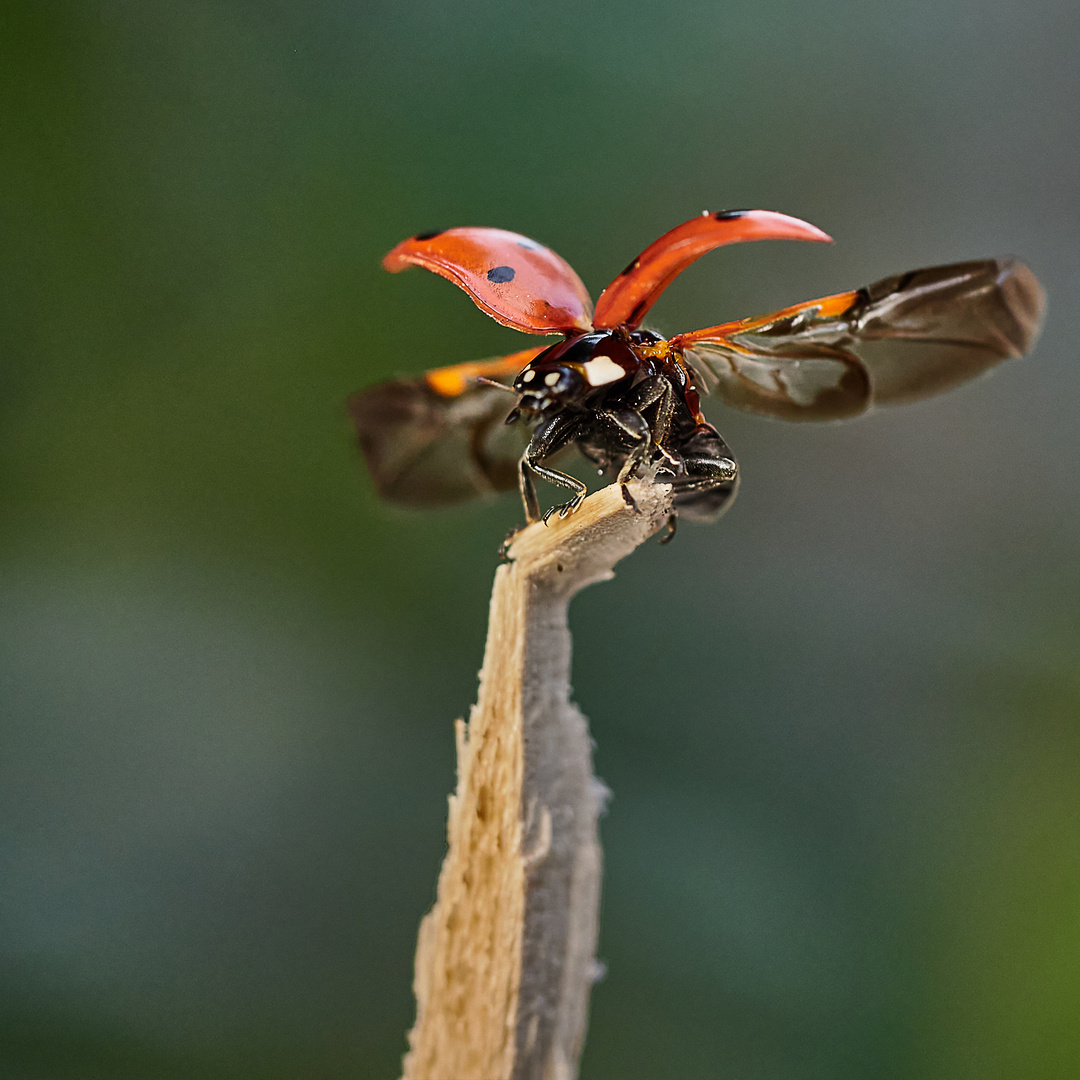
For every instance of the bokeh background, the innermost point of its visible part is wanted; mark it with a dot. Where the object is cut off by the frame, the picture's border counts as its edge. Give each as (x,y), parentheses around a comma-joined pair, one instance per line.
(842,727)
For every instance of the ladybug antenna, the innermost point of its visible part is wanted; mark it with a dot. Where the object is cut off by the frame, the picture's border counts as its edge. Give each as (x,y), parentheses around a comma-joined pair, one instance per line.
(492,382)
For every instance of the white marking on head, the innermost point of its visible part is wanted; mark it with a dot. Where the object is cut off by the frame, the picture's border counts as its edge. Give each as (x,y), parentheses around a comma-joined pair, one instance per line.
(551,378)
(601,370)
(528,376)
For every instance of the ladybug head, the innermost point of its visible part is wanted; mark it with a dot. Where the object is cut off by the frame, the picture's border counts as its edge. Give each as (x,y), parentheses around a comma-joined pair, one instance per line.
(567,373)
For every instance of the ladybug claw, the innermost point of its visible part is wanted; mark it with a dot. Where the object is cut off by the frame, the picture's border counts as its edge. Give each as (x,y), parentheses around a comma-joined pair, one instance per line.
(568,508)
(564,509)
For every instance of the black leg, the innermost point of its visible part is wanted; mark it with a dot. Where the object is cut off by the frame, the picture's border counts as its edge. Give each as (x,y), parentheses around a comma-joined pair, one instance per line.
(630,423)
(710,476)
(575,485)
(550,436)
(657,391)
(528,492)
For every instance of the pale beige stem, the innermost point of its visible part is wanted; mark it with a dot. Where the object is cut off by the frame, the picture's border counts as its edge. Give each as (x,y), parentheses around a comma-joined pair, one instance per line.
(505,959)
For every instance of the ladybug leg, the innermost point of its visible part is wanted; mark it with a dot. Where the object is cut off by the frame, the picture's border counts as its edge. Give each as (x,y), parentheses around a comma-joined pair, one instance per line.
(710,478)
(575,485)
(528,493)
(704,473)
(550,436)
(657,391)
(630,423)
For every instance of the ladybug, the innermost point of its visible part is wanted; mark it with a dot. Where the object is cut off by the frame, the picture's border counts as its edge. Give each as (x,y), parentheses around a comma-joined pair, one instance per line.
(629,400)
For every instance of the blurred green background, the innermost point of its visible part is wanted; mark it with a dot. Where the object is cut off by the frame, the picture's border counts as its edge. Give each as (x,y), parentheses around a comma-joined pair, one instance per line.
(845,752)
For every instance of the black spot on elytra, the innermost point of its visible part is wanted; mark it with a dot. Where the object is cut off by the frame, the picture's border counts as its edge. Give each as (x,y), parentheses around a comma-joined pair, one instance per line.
(632,265)
(500,274)
(429,235)
(729,215)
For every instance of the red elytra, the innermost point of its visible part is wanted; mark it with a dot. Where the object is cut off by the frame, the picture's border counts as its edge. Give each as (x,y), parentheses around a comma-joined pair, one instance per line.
(523,284)
(517,281)
(628,298)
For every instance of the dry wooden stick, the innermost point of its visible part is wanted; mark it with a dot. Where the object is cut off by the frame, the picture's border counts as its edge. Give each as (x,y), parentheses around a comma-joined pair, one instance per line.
(505,959)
